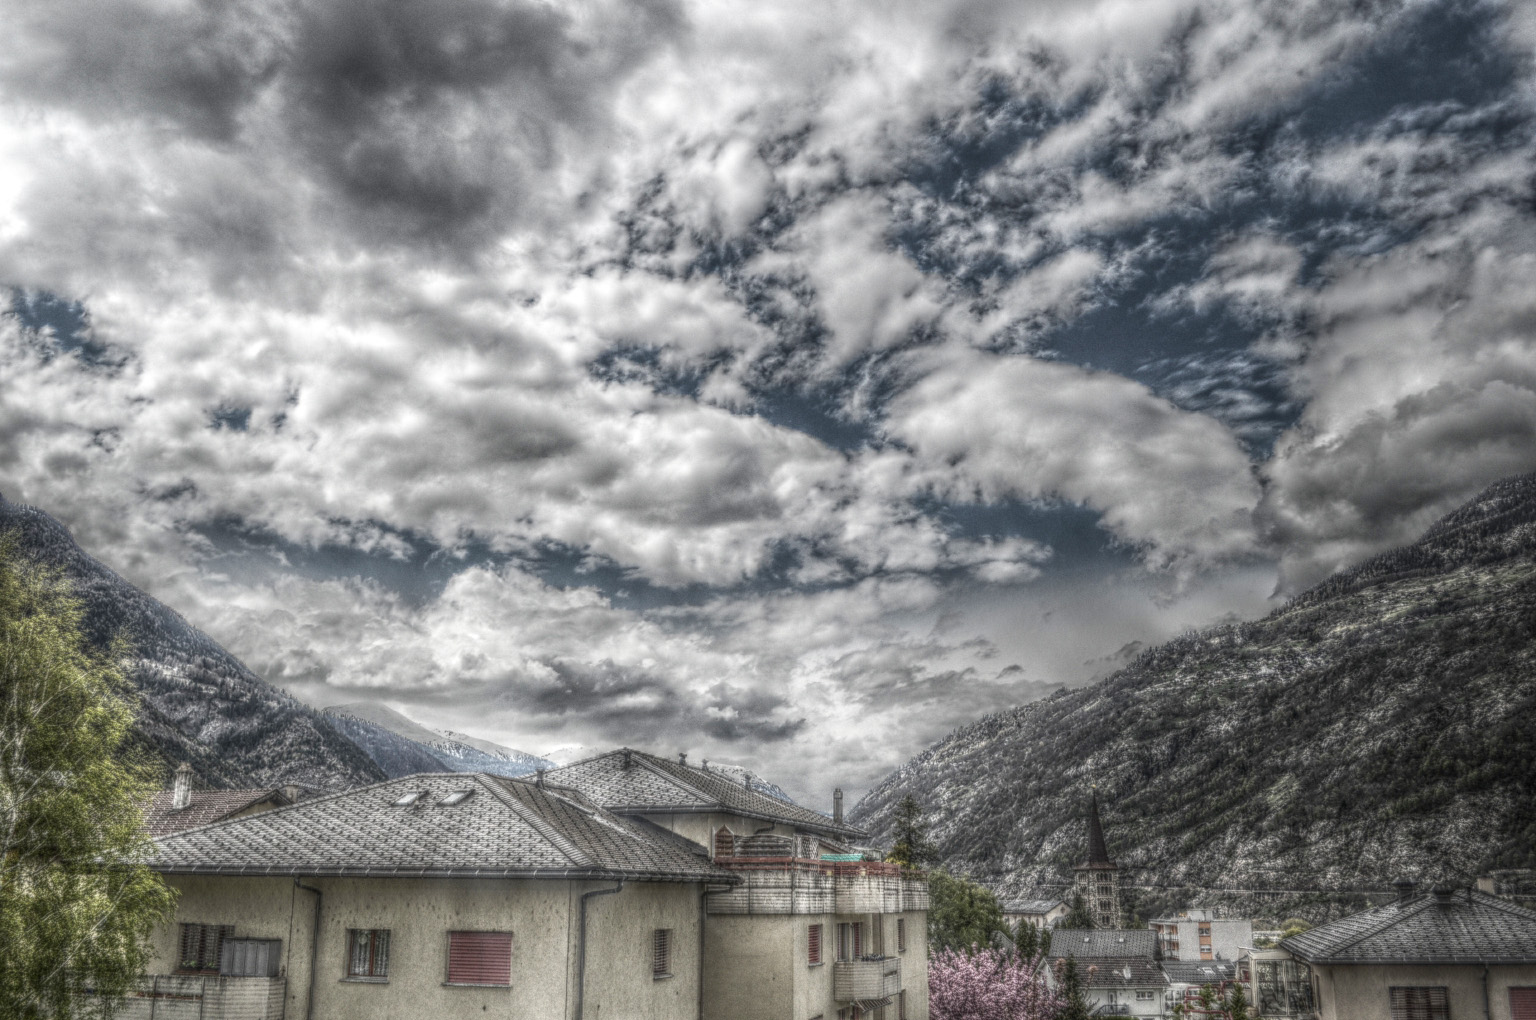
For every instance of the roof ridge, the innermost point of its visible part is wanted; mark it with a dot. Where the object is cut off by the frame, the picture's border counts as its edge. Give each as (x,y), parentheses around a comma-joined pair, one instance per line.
(1408,911)
(548,831)
(663,773)
(1500,903)
(309,802)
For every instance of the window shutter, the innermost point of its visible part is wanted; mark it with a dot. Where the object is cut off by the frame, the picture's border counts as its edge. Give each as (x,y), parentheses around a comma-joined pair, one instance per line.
(1420,1004)
(479,958)
(901,1006)
(901,934)
(661,953)
(813,946)
(725,842)
(858,939)
(1522,1004)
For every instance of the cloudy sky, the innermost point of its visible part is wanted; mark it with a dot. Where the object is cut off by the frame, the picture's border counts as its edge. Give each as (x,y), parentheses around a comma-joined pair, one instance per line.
(786,383)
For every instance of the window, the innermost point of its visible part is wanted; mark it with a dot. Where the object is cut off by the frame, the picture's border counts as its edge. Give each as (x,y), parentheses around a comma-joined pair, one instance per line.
(200,946)
(661,953)
(1145,996)
(456,797)
(850,940)
(1284,987)
(813,945)
(409,798)
(368,953)
(249,957)
(480,958)
(1420,1003)
(901,934)
(1522,1004)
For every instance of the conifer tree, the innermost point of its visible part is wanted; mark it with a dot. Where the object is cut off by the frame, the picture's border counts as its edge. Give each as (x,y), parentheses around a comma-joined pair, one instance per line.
(1079,916)
(1074,1003)
(911,847)
(76,904)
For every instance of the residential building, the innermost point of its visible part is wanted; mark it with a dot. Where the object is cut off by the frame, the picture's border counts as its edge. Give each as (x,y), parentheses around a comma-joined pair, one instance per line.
(812,931)
(182,807)
(1187,978)
(1097,880)
(441,896)
(1119,970)
(1451,953)
(1198,935)
(1040,913)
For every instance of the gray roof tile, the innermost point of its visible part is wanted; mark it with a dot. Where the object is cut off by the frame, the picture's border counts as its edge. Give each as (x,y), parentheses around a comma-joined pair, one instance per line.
(1104,942)
(1461,927)
(504,827)
(206,806)
(1119,972)
(651,783)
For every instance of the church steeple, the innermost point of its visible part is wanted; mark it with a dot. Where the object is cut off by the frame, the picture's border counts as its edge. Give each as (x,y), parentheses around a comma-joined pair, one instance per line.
(1098,853)
(1097,880)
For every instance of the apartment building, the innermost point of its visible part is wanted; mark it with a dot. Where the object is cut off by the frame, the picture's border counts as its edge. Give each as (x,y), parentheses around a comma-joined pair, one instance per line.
(1200,936)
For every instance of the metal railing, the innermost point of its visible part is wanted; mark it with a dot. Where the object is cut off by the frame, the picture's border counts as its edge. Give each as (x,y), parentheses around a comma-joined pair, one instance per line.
(197,997)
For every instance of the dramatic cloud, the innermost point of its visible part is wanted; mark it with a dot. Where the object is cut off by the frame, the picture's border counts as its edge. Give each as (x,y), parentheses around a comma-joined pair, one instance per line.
(749,376)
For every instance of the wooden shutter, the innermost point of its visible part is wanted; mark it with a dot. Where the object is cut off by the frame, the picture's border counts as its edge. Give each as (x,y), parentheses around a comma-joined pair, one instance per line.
(661,953)
(201,945)
(858,939)
(901,1006)
(1522,1004)
(479,958)
(725,842)
(813,945)
(901,934)
(1420,1004)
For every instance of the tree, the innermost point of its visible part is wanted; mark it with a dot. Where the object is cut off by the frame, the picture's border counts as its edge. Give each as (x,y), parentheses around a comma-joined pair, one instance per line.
(1079,916)
(961,914)
(77,904)
(1237,1003)
(912,847)
(1074,1005)
(1293,926)
(1027,937)
(988,984)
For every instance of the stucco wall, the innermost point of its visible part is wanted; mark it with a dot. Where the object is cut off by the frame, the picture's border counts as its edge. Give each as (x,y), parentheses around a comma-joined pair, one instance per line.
(701,826)
(542,916)
(1362,993)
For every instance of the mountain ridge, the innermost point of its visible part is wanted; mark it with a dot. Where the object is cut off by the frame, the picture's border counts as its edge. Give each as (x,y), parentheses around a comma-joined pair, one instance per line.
(1319,747)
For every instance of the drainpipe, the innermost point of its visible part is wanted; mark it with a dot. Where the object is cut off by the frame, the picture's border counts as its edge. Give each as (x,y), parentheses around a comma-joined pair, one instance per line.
(704,895)
(581,946)
(314,948)
(1487,1015)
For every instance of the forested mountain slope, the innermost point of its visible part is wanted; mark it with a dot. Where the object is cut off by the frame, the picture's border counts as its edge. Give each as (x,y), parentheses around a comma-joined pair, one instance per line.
(1381,724)
(198,703)
(402,747)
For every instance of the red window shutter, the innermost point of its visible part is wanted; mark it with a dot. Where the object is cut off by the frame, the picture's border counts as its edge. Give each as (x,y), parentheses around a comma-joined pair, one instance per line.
(479,958)
(901,934)
(813,943)
(1522,1004)
(858,939)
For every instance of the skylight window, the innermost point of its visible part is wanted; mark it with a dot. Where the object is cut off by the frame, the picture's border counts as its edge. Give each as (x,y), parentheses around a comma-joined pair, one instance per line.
(455,797)
(410,798)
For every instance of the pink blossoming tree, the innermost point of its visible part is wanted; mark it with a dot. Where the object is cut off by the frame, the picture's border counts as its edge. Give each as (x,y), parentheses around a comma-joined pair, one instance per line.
(986,984)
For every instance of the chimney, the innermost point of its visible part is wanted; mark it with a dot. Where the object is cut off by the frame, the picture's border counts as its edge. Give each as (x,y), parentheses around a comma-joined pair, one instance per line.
(1405,888)
(682,757)
(1444,894)
(181,787)
(706,765)
(1485,884)
(629,758)
(837,805)
(538,778)
(291,793)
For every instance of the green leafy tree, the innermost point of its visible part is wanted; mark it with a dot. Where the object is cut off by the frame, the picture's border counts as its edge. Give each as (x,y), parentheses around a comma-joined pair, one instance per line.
(912,847)
(961,914)
(77,906)
(1293,926)
(1079,916)
(1074,1002)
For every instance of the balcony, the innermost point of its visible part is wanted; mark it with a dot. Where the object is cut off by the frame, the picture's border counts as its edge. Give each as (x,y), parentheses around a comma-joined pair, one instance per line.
(792,885)
(177,997)
(869,979)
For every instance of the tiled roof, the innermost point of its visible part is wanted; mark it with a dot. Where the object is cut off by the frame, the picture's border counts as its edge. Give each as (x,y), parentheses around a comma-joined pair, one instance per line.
(1030,906)
(1465,926)
(206,806)
(504,827)
(1104,942)
(1119,972)
(653,784)
(1199,972)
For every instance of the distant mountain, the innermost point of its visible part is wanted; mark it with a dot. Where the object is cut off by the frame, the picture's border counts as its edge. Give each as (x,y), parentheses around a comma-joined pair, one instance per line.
(571,752)
(198,703)
(751,780)
(1382,724)
(401,747)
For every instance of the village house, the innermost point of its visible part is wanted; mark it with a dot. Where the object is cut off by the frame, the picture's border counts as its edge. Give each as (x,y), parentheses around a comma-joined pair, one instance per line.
(182,807)
(1119,970)
(1186,979)
(440,896)
(812,931)
(1450,954)
(1039,913)
(1199,935)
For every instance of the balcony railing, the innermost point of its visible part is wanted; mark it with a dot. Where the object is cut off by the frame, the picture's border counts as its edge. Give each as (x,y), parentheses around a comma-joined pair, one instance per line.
(180,997)
(798,885)
(870,978)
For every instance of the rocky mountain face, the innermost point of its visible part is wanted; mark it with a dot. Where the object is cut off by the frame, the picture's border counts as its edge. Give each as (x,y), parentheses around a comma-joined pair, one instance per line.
(401,747)
(197,703)
(1382,724)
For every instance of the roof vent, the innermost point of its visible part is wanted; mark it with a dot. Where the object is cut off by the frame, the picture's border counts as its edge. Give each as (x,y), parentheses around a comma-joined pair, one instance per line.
(629,758)
(705,766)
(682,757)
(538,778)
(1444,893)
